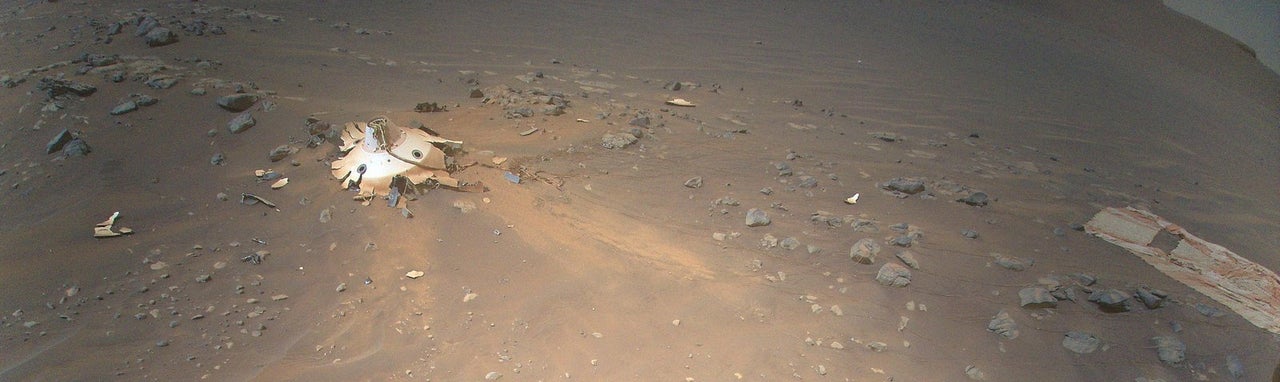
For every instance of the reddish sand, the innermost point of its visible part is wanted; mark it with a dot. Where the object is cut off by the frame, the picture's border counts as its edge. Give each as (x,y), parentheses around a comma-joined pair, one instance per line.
(605,266)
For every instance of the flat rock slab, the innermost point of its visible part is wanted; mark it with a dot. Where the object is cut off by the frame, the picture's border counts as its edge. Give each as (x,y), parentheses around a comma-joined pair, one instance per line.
(1036,297)
(1080,342)
(893,275)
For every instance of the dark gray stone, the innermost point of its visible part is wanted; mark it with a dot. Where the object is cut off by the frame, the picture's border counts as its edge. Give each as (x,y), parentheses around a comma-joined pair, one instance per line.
(905,185)
(218,159)
(783,169)
(237,102)
(1080,342)
(161,82)
(54,87)
(124,108)
(58,142)
(241,123)
(77,147)
(789,243)
(1003,325)
(807,182)
(908,258)
(864,251)
(968,233)
(281,152)
(1208,311)
(160,36)
(1150,298)
(145,100)
(1013,263)
(145,25)
(894,275)
(1110,300)
(903,241)
(757,218)
(977,199)
(640,121)
(1036,297)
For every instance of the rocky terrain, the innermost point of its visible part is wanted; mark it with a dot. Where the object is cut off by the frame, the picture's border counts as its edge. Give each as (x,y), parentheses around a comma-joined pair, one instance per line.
(859,192)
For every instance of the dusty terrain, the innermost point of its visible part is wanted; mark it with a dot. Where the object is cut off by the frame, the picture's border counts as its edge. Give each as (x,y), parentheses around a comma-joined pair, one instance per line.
(602,265)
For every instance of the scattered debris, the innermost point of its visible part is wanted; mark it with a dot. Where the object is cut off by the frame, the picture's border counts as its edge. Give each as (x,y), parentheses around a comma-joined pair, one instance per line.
(378,155)
(1245,287)
(680,102)
(251,199)
(105,228)
(852,199)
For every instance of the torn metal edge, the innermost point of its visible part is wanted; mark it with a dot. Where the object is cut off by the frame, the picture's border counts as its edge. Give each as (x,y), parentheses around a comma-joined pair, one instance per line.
(1249,289)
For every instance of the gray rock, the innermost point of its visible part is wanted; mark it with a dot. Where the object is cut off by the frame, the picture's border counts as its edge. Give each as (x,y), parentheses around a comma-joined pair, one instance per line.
(161,82)
(907,186)
(145,100)
(757,218)
(1013,263)
(977,199)
(1170,349)
(241,123)
(1150,298)
(237,102)
(58,142)
(217,159)
(77,147)
(1003,325)
(1080,342)
(864,251)
(617,141)
(1068,293)
(892,274)
(160,36)
(1208,311)
(694,182)
(123,108)
(1235,368)
(54,87)
(1110,300)
(807,182)
(639,121)
(968,233)
(789,243)
(783,169)
(903,241)
(908,258)
(145,25)
(281,152)
(1036,297)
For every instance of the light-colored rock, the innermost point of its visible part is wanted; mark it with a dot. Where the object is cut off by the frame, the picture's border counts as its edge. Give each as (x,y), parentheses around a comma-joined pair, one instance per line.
(864,251)
(757,218)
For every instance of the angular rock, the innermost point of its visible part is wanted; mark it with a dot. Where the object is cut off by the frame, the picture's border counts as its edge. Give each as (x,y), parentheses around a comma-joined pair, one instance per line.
(908,258)
(54,87)
(789,243)
(907,186)
(281,152)
(1170,350)
(77,147)
(160,36)
(1036,297)
(1110,300)
(864,251)
(217,159)
(145,25)
(58,142)
(893,275)
(1080,342)
(1003,325)
(1151,299)
(161,81)
(757,218)
(123,108)
(807,182)
(241,123)
(1013,263)
(977,199)
(237,102)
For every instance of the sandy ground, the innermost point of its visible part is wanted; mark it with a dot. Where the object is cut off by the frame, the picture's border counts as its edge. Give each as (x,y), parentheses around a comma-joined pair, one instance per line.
(601,265)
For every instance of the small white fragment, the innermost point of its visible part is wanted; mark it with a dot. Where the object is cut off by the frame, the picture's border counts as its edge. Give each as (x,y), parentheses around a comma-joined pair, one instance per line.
(852,199)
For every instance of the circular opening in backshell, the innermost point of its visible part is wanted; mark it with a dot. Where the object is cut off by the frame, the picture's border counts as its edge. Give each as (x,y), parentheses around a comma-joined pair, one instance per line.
(417,154)
(361,168)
